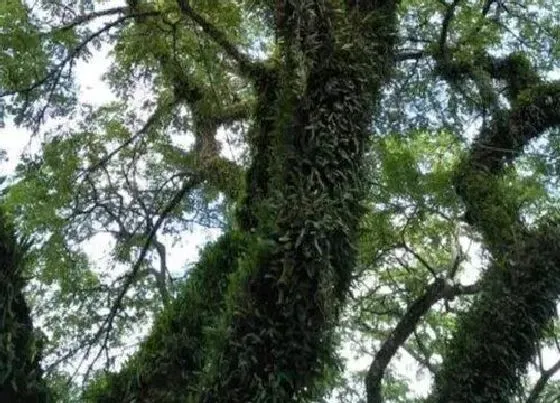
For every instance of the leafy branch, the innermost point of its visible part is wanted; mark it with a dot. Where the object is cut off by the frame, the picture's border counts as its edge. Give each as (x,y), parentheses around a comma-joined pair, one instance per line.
(247,66)
(156,116)
(74,53)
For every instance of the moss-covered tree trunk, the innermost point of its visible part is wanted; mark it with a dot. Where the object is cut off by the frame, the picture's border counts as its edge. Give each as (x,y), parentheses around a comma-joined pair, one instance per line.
(20,354)
(496,339)
(266,336)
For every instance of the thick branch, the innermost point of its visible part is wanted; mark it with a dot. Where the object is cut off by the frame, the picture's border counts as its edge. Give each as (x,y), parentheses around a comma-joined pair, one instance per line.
(520,288)
(399,335)
(536,111)
(301,275)
(161,276)
(518,299)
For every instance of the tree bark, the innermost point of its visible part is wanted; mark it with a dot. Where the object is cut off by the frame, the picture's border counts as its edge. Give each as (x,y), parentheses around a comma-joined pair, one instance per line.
(268,337)
(496,339)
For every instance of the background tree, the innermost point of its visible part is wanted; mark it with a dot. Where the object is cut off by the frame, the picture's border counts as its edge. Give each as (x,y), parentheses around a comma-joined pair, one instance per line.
(20,345)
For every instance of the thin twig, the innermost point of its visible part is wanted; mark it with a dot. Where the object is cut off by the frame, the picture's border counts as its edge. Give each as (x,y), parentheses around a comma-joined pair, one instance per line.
(107,325)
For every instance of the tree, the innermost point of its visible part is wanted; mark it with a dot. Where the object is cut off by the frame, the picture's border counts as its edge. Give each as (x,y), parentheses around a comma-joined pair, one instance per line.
(360,172)
(20,347)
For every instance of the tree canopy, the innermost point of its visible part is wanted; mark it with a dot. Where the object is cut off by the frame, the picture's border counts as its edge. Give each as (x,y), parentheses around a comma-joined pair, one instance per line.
(382,175)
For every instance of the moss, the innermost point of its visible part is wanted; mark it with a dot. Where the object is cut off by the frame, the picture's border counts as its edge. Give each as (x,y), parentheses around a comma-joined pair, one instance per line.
(277,335)
(497,338)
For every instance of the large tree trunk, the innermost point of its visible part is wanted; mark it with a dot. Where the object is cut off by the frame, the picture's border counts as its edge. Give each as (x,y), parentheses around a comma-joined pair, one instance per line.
(273,341)
(496,339)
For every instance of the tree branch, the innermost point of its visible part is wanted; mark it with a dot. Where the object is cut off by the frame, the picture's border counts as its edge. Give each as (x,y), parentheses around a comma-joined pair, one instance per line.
(541,383)
(92,16)
(521,286)
(107,326)
(406,326)
(398,336)
(447,18)
(246,66)
(161,276)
